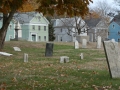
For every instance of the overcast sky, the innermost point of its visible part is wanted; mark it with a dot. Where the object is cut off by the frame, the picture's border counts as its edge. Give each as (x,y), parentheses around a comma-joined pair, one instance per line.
(95,1)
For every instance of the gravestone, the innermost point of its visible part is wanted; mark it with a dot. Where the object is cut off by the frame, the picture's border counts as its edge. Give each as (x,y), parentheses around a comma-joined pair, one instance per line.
(76,44)
(25,57)
(81,56)
(17,49)
(84,43)
(5,54)
(99,42)
(49,49)
(64,59)
(113,58)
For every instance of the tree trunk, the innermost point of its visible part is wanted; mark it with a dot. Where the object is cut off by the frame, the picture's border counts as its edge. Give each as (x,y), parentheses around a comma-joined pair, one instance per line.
(2,39)
(6,20)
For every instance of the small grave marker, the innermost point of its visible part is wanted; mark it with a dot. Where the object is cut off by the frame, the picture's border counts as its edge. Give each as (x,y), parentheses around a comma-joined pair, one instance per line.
(25,57)
(64,59)
(81,56)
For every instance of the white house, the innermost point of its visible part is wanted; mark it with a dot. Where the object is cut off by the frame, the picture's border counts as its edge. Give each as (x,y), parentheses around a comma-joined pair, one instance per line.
(66,29)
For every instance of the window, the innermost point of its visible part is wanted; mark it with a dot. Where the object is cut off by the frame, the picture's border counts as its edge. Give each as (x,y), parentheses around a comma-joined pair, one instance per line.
(39,38)
(118,33)
(108,33)
(38,27)
(44,28)
(39,18)
(113,26)
(118,40)
(61,38)
(61,29)
(44,38)
(33,27)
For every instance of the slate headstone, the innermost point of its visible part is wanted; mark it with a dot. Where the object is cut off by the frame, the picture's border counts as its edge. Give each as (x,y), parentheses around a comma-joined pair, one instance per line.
(49,49)
(113,58)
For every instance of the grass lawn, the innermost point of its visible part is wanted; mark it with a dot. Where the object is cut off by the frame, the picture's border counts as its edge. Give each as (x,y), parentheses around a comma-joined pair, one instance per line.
(47,73)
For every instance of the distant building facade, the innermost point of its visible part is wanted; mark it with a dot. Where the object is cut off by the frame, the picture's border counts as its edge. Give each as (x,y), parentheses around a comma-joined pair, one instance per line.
(114,29)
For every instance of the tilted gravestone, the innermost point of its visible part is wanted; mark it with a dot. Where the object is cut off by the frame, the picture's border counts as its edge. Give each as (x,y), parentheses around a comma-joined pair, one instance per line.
(76,44)
(49,49)
(113,58)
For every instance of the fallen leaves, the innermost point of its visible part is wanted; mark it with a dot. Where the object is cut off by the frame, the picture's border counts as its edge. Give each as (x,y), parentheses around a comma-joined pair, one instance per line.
(14,79)
(3,86)
(101,87)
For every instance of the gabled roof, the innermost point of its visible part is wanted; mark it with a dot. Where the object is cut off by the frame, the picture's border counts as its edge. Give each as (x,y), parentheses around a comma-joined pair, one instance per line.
(24,17)
(116,19)
(92,22)
(27,17)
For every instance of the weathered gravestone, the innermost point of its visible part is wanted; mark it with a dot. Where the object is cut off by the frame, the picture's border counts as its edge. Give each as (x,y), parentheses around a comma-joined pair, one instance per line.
(76,44)
(49,49)
(84,43)
(113,58)
(99,42)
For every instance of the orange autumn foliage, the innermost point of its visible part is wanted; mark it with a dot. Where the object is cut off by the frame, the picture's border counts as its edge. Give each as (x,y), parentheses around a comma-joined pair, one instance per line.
(67,7)
(18,5)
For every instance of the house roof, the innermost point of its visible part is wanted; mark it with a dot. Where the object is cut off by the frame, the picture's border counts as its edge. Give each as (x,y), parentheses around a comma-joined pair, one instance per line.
(116,19)
(92,22)
(27,17)
(24,17)
(65,22)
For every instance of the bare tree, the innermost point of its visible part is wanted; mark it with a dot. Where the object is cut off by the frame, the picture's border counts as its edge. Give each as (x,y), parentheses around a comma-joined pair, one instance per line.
(75,23)
(103,8)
